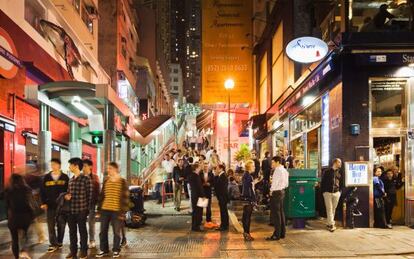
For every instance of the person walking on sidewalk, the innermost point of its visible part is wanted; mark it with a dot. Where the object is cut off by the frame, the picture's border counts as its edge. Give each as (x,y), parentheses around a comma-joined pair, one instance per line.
(207,178)
(20,213)
(196,188)
(392,183)
(280,181)
(331,190)
(87,170)
(54,184)
(379,195)
(178,177)
(79,195)
(112,205)
(249,196)
(221,183)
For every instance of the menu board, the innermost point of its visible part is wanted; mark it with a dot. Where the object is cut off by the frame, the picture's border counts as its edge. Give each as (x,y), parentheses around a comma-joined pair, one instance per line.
(357,174)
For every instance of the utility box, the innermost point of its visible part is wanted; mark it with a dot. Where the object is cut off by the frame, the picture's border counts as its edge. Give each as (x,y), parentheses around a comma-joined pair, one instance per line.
(300,195)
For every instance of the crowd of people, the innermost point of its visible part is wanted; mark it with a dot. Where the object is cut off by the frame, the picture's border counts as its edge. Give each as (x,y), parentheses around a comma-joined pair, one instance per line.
(198,173)
(77,202)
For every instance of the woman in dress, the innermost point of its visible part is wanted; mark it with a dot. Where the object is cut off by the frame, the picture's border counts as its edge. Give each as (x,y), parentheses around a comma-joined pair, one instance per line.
(249,196)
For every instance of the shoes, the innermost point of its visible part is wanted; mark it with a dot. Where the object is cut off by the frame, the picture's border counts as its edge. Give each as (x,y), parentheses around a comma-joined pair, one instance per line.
(92,245)
(59,245)
(389,226)
(247,237)
(271,224)
(272,238)
(52,249)
(115,255)
(332,228)
(101,254)
(123,243)
(222,229)
(70,256)
(83,255)
(178,209)
(24,255)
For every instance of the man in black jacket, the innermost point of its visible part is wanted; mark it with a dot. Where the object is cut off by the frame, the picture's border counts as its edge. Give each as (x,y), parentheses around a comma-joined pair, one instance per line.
(54,183)
(331,190)
(207,178)
(256,166)
(196,188)
(220,187)
(178,177)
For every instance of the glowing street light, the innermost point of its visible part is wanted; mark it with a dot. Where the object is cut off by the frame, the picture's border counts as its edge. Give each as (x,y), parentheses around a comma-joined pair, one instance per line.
(228,84)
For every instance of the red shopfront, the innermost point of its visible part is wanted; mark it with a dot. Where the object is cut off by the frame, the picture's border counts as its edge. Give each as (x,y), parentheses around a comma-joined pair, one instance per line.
(24,62)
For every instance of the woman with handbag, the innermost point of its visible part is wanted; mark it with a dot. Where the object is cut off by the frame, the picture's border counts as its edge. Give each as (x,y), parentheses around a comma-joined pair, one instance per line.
(20,211)
(249,196)
(379,195)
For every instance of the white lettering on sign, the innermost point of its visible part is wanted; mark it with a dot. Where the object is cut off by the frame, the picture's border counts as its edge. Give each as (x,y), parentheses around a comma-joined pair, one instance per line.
(407,59)
(307,49)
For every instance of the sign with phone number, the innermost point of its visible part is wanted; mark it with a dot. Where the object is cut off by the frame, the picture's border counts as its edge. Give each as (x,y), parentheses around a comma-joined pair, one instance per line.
(357,174)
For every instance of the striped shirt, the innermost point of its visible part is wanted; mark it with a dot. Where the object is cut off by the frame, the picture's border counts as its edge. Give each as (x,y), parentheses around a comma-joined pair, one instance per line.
(112,199)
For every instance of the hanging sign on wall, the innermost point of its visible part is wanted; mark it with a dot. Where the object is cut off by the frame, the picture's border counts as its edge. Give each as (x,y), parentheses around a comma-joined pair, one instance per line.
(307,49)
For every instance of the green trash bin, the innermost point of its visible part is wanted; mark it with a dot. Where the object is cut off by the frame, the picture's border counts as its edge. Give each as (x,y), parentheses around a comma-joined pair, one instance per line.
(300,195)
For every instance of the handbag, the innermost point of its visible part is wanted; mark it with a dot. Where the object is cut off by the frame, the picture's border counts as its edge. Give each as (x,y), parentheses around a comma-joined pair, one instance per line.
(202,202)
(379,202)
(34,204)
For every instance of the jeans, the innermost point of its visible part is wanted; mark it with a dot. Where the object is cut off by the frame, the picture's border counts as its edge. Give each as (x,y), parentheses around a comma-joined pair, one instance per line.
(75,222)
(117,225)
(55,222)
(247,215)
(331,202)
(91,223)
(177,195)
(157,189)
(276,204)
(189,197)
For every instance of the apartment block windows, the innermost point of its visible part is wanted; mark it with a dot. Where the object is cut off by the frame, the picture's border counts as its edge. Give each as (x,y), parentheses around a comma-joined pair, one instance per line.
(33,13)
(263,84)
(123,47)
(278,84)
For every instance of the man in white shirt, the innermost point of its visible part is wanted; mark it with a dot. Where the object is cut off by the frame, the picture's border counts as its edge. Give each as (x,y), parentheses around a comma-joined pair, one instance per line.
(168,164)
(280,181)
(208,154)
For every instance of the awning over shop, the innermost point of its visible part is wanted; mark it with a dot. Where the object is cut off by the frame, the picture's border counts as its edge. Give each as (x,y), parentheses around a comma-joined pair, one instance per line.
(259,121)
(76,100)
(148,129)
(204,120)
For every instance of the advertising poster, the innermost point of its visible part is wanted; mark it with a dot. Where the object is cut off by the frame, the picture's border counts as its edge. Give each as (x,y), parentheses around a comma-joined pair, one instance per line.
(227,50)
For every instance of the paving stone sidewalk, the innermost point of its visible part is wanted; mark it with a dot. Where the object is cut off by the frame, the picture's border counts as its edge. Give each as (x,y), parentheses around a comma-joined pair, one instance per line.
(167,235)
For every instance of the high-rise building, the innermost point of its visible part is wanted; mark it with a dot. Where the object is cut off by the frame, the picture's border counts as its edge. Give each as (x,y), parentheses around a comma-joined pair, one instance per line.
(186,45)
(176,83)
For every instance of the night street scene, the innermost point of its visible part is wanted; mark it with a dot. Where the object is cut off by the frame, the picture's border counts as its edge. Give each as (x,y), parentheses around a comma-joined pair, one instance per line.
(206,129)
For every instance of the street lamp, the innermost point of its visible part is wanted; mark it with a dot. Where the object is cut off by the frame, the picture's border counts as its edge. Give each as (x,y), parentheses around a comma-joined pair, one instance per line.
(228,84)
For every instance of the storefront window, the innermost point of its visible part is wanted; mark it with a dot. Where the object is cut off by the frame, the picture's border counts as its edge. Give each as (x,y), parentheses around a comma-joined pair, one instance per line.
(381,15)
(298,152)
(278,140)
(306,120)
(387,102)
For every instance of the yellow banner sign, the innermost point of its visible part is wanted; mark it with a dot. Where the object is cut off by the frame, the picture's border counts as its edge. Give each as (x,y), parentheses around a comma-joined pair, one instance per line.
(227,50)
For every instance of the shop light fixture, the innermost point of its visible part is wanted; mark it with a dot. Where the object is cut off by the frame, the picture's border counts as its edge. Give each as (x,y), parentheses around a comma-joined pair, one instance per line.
(391,125)
(76,101)
(308,100)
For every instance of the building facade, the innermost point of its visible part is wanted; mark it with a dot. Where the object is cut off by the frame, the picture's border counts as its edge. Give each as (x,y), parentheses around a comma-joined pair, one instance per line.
(176,83)
(353,104)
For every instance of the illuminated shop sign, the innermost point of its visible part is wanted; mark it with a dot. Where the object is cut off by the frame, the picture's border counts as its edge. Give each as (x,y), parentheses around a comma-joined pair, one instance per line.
(325,131)
(307,49)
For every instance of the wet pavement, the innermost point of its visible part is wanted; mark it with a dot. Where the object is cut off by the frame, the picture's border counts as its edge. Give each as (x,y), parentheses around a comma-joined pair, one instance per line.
(167,235)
